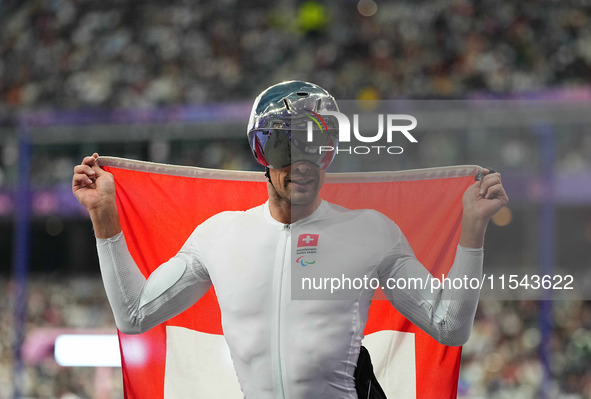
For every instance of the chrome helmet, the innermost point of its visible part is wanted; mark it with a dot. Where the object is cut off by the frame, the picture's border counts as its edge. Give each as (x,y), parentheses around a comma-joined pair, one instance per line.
(282,118)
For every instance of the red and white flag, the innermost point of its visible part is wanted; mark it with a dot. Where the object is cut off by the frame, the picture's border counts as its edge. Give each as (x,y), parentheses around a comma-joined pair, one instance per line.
(186,357)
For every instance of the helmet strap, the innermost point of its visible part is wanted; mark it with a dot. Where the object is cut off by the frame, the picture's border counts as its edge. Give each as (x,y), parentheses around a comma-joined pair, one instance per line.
(267,175)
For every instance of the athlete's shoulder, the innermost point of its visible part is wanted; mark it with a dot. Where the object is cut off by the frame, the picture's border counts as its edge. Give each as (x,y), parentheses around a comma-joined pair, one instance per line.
(225,217)
(371,215)
(368,223)
(367,220)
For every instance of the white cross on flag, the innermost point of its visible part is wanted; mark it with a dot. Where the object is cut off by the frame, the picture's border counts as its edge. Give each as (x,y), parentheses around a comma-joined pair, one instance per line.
(308,240)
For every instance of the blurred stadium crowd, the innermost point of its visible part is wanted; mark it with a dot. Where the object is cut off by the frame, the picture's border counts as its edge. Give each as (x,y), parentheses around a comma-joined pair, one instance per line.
(72,54)
(54,303)
(502,357)
(88,54)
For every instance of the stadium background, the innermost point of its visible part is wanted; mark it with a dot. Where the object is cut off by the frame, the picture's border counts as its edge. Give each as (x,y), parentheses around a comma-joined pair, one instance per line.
(173,81)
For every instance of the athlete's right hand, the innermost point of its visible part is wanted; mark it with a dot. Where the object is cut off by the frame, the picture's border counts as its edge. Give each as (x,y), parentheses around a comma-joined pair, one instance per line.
(93,187)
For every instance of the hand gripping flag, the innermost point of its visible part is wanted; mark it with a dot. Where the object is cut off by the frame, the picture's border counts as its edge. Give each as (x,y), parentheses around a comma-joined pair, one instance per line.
(186,357)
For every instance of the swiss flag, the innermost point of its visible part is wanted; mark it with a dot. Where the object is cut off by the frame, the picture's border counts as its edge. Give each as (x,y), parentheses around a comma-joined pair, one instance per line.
(308,240)
(186,357)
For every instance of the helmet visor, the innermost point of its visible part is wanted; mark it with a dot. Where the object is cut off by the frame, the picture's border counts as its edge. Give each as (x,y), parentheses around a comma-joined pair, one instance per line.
(279,148)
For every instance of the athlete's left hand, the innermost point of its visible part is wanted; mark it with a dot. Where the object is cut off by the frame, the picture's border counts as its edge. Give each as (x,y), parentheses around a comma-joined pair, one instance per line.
(481,201)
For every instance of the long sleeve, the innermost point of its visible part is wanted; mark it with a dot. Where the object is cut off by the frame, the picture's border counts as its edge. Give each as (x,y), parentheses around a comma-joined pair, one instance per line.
(138,303)
(443,309)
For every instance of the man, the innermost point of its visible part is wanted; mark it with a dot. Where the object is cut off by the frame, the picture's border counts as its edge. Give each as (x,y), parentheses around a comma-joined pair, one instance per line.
(280,347)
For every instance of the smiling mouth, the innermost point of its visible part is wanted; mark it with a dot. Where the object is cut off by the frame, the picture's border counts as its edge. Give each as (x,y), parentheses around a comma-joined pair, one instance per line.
(302,183)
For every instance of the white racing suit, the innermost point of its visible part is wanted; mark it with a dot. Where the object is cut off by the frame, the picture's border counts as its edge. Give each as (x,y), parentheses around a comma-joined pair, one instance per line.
(284,347)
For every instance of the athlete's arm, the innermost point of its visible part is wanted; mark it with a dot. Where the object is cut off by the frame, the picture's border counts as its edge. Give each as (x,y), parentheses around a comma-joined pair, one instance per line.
(138,304)
(446,311)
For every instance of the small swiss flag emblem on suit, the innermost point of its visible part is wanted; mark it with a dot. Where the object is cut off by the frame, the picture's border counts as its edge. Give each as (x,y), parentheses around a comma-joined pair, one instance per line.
(308,240)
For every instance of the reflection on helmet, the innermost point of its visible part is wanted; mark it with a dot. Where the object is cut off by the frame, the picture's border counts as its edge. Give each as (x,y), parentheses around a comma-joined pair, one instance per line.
(279,122)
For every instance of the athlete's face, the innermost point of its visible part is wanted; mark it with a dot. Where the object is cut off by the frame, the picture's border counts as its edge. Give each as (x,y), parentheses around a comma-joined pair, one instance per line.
(298,183)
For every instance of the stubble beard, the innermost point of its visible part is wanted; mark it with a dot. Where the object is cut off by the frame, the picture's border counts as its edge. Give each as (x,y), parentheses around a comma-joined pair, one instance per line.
(302,192)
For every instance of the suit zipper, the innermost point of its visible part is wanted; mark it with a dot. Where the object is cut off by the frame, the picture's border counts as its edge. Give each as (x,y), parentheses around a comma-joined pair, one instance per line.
(280,262)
